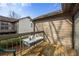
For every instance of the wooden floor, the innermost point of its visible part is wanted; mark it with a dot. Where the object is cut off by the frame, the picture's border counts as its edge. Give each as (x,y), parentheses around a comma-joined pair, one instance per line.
(36,50)
(44,48)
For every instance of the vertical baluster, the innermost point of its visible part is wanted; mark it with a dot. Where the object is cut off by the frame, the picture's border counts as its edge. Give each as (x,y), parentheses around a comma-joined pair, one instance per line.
(20,46)
(23,43)
(16,44)
(0,47)
(13,46)
(12,43)
(5,47)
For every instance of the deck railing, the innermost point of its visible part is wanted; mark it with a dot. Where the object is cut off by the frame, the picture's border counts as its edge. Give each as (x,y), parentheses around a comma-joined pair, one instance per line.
(14,42)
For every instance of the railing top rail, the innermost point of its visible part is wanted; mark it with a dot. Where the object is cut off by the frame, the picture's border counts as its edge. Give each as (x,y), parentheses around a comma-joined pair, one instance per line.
(18,35)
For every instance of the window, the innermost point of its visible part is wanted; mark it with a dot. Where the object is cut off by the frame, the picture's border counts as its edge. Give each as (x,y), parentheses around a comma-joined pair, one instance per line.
(4,26)
(31,25)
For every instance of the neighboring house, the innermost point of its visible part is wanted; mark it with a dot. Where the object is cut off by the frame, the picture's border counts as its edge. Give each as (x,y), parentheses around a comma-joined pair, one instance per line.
(25,25)
(7,25)
(61,25)
(15,26)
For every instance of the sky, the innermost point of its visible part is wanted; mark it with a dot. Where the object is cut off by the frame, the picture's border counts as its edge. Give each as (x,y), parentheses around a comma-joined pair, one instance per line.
(28,9)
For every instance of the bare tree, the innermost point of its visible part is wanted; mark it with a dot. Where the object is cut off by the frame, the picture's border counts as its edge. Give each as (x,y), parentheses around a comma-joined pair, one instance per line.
(13,14)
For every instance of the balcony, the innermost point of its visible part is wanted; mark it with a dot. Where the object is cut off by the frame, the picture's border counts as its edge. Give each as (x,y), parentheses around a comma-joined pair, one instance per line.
(15,43)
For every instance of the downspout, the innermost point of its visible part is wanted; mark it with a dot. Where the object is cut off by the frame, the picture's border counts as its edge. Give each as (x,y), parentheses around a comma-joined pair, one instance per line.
(34,29)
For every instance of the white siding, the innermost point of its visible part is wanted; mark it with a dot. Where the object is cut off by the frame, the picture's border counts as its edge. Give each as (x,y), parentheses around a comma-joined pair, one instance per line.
(24,26)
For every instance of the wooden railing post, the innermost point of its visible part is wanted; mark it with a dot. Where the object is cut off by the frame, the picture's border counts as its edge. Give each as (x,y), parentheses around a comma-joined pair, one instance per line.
(14,54)
(73,28)
(34,28)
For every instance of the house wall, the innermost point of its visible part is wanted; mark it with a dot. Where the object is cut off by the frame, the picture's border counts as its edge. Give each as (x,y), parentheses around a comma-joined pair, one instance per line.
(25,25)
(11,27)
(0,24)
(55,30)
(76,18)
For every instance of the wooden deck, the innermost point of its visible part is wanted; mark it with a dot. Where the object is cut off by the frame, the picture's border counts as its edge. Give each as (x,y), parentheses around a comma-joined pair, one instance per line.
(44,48)
(25,50)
